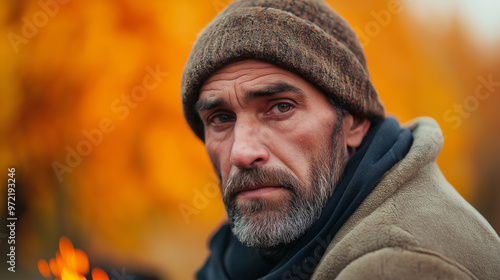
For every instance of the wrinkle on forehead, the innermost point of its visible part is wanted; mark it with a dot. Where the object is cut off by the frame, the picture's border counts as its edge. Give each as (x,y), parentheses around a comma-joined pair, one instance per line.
(242,77)
(238,70)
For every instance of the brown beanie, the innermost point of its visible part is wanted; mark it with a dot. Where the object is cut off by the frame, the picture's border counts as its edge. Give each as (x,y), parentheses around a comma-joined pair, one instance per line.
(305,37)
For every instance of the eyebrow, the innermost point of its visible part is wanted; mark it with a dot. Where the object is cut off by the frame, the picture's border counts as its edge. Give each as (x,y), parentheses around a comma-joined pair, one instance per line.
(204,105)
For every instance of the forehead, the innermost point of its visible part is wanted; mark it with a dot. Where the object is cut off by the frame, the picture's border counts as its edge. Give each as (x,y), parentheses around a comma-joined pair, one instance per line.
(248,74)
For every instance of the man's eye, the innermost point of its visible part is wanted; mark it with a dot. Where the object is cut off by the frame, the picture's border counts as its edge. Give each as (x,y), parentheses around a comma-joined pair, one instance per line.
(283,107)
(221,119)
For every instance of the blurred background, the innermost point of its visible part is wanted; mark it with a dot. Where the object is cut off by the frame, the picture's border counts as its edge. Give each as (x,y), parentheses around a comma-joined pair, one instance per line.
(90,118)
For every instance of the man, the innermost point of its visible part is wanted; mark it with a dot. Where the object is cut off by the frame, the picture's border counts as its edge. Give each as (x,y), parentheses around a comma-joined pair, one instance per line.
(316,182)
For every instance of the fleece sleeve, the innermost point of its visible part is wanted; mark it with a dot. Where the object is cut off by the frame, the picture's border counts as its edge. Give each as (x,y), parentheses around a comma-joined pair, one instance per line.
(396,263)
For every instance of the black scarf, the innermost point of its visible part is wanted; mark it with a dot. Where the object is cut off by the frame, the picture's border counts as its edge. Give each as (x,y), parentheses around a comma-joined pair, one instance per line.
(384,145)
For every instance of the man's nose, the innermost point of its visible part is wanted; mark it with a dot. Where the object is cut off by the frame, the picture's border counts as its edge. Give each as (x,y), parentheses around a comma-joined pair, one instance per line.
(248,149)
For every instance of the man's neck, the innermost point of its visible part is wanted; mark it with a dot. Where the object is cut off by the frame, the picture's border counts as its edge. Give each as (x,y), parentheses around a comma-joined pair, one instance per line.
(274,253)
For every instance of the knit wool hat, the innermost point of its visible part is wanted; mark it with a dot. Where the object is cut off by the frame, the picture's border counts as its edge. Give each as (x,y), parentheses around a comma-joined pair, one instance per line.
(304,37)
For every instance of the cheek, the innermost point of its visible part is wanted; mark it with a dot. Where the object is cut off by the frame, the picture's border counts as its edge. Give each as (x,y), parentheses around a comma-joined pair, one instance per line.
(308,140)
(219,156)
(293,149)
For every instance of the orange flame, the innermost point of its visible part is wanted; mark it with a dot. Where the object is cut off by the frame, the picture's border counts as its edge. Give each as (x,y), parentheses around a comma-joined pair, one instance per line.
(69,264)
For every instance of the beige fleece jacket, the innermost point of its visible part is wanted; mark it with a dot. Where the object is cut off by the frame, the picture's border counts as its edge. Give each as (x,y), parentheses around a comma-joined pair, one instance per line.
(414,225)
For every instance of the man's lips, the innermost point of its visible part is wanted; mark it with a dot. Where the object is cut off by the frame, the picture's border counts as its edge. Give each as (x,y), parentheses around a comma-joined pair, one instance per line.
(257,191)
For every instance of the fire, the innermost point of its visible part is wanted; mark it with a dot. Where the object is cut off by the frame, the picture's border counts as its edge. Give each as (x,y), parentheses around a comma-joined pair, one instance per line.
(69,264)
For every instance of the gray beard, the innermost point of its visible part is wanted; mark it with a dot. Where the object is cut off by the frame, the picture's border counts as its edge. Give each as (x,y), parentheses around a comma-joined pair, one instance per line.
(257,224)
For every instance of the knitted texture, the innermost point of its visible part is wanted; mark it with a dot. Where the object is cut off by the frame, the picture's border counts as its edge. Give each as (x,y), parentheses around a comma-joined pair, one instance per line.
(305,37)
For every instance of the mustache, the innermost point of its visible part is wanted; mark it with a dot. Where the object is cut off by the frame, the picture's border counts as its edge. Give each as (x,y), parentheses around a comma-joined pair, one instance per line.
(245,178)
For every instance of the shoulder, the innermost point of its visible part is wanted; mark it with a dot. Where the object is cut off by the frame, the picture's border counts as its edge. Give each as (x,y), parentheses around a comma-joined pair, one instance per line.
(397,263)
(414,219)
(413,241)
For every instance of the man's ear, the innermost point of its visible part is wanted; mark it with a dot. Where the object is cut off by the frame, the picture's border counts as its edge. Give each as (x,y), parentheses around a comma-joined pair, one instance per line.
(355,129)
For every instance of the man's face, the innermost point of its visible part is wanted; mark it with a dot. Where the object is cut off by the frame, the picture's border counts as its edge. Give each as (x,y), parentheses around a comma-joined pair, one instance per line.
(278,147)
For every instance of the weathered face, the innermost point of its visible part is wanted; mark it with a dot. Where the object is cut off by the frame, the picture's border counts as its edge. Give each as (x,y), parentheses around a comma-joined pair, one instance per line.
(278,146)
